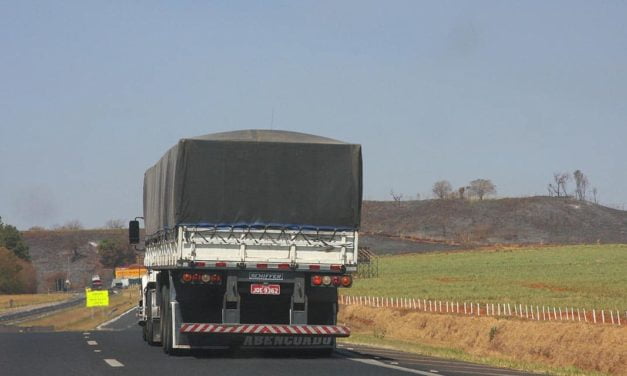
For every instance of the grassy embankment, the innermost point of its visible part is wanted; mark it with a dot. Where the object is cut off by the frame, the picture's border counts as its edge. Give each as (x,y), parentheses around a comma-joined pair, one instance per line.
(8,302)
(579,276)
(83,318)
(588,276)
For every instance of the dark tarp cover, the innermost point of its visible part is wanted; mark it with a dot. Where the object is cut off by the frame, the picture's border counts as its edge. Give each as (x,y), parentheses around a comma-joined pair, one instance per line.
(255,178)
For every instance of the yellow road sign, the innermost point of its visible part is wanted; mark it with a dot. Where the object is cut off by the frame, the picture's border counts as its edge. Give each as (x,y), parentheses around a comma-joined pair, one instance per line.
(131,272)
(97,298)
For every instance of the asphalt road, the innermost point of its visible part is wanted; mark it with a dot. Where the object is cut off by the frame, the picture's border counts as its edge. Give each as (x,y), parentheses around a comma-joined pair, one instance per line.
(117,349)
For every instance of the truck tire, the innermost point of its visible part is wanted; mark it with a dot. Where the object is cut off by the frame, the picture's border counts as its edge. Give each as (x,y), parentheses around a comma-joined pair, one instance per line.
(149,327)
(167,337)
(164,319)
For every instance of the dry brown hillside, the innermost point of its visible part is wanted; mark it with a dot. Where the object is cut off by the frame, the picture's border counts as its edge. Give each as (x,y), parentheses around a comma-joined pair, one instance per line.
(507,220)
(57,254)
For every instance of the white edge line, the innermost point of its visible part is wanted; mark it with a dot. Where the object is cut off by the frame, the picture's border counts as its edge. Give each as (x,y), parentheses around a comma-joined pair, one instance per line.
(373,362)
(100,327)
(113,363)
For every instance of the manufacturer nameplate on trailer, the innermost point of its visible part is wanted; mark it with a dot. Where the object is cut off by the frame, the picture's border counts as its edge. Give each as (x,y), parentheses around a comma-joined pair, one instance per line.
(265,276)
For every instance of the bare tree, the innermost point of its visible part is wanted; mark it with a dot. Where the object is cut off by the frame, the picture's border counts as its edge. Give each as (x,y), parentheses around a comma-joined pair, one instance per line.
(482,188)
(74,224)
(442,189)
(581,185)
(397,197)
(115,224)
(461,191)
(558,187)
(595,193)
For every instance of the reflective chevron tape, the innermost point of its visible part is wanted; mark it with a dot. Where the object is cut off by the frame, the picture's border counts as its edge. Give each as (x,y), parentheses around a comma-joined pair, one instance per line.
(314,330)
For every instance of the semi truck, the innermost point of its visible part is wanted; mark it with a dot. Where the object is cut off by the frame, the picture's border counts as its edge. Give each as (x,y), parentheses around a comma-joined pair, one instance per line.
(248,237)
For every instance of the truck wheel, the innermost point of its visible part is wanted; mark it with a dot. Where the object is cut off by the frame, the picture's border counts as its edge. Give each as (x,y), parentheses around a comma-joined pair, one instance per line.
(166,318)
(149,328)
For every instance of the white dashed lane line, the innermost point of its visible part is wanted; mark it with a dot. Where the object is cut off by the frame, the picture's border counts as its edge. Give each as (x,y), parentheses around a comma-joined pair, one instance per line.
(113,363)
(97,351)
(377,363)
(92,343)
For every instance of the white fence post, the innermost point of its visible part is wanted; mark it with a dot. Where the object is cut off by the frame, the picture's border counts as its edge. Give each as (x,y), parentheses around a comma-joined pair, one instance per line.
(603,315)
(594,316)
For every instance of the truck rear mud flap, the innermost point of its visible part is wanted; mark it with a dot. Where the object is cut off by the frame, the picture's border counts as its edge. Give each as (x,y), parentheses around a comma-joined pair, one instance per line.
(264,335)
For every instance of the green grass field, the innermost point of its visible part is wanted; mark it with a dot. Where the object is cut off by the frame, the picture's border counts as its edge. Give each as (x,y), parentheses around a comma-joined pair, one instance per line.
(581,276)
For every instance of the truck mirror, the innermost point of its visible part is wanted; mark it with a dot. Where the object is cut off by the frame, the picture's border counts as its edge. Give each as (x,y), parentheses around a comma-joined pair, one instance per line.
(133,232)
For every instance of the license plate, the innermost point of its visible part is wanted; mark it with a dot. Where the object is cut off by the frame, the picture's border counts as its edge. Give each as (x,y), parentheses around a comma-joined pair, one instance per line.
(260,289)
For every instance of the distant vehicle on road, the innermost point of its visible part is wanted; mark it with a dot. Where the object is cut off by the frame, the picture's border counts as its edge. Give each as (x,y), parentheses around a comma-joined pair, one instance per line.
(249,235)
(96,282)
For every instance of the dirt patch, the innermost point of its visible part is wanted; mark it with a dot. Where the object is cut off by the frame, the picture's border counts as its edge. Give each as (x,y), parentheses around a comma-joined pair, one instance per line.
(448,279)
(544,286)
(601,348)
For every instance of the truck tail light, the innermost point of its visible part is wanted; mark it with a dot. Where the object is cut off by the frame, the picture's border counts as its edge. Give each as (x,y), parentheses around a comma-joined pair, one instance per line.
(221,264)
(187,277)
(216,278)
(206,278)
(347,281)
(196,277)
(316,280)
(336,281)
(326,280)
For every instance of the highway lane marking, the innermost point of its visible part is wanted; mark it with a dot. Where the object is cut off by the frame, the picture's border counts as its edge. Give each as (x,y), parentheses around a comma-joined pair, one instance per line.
(97,350)
(419,360)
(101,326)
(113,363)
(92,343)
(373,362)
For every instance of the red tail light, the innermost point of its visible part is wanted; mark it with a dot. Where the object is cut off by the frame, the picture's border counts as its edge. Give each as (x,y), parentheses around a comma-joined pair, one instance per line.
(195,277)
(347,281)
(220,264)
(316,280)
(284,266)
(216,278)
(314,267)
(187,277)
(336,280)
(262,266)
(336,268)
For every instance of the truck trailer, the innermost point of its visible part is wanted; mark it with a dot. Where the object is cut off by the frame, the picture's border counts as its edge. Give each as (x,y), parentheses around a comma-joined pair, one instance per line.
(248,237)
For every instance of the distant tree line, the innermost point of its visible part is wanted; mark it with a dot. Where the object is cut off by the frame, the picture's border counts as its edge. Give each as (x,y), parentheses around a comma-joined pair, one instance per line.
(17,274)
(559,186)
(478,188)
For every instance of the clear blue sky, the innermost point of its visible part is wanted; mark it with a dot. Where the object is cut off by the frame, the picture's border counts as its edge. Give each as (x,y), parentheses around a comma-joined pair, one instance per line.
(94,92)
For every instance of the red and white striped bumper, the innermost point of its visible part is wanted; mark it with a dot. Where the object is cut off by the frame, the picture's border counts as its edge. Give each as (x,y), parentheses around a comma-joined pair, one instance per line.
(270,329)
